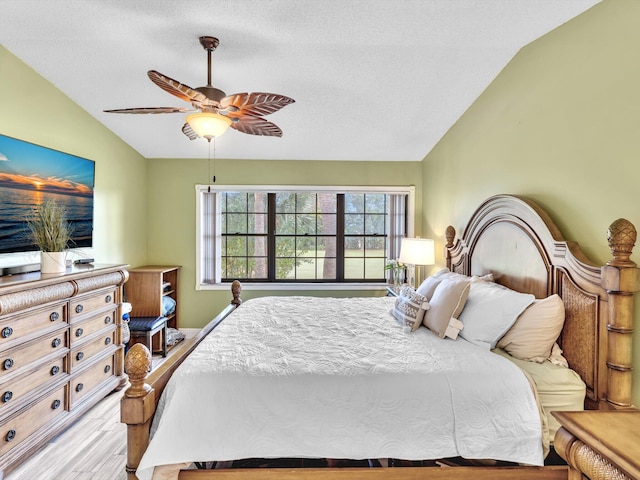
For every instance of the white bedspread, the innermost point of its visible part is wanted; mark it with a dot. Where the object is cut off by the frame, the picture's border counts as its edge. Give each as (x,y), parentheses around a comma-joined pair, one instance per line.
(339,378)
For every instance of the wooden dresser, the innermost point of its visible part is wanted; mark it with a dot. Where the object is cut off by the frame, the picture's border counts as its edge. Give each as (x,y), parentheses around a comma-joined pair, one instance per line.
(60,352)
(600,444)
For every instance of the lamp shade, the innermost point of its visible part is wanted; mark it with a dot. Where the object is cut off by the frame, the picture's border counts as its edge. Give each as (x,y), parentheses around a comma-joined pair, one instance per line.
(208,125)
(417,251)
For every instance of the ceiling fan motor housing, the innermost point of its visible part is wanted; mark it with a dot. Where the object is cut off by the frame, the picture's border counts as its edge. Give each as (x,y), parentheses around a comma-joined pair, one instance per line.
(212,93)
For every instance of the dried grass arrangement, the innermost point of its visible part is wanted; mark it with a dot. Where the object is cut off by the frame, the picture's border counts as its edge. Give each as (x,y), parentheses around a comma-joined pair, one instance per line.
(49,227)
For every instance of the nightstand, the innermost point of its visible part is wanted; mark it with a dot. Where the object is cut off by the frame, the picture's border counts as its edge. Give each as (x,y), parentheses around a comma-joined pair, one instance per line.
(600,444)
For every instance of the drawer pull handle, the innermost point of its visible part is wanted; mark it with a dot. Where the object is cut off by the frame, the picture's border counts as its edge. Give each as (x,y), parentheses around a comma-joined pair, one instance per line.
(7,332)
(79,332)
(11,434)
(54,316)
(6,396)
(107,368)
(79,308)
(56,342)
(55,369)
(107,299)
(55,404)
(79,387)
(107,340)
(107,320)
(80,356)
(8,363)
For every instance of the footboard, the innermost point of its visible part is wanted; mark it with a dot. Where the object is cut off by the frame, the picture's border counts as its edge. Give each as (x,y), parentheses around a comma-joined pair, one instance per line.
(138,405)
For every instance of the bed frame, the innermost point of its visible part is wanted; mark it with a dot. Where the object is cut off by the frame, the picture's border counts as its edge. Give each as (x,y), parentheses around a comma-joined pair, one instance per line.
(517,241)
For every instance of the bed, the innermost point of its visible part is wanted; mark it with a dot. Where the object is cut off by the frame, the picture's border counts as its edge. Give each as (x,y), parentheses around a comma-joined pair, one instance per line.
(510,238)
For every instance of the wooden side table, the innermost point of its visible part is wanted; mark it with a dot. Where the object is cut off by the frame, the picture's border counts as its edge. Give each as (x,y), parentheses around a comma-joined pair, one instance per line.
(599,444)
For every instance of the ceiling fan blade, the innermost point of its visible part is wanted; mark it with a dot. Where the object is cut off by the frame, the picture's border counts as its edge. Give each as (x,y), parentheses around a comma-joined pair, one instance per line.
(149,110)
(189,132)
(256,104)
(176,88)
(256,126)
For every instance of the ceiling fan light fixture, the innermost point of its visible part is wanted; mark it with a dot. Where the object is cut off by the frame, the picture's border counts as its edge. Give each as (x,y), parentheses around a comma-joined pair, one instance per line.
(208,125)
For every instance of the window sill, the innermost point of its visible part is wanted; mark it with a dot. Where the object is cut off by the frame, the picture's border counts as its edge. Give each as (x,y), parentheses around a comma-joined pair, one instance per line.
(298,286)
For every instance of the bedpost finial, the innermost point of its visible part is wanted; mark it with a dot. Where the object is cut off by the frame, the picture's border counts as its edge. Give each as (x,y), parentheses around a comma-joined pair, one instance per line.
(236,290)
(622,237)
(450,235)
(137,363)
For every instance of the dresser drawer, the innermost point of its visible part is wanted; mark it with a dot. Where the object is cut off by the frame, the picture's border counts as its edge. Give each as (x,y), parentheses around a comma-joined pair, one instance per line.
(17,429)
(82,306)
(85,382)
(84,353)
(16,358)
(13,392)
(22,327)
(86,328)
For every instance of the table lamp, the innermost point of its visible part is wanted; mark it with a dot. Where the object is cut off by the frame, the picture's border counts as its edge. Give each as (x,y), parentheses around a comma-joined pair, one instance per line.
(416,252)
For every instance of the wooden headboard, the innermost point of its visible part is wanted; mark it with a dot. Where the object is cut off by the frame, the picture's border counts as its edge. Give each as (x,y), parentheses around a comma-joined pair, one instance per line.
(519,243)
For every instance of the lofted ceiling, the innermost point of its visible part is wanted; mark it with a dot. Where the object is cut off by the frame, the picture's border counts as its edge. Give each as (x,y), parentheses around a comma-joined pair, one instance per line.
(371,79)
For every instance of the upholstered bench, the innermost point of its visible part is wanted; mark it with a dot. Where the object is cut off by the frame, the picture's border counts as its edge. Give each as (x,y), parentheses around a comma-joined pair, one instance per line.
(143,330)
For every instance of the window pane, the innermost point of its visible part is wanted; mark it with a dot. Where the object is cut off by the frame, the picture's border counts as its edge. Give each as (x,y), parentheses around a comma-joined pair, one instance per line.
(285,268)
(257,246)
(285,246)
(375,246)
(374,224)
(354,246)
(285,224)
(374,268)
(236,267)
(306,269)
(306,224)
(306,246)
(234,202)
(327,202)
(258,223)
(354,202)
(327,268)
(353,224)
(306,203)
(375,203)
(353,268)
(236,223)
(327,224)
(236,247)
(285,202)
(258,268)
(258,202)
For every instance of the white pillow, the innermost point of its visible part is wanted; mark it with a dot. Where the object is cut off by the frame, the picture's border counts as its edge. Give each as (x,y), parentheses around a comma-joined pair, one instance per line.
(410,307)
(536,330)
(490,311)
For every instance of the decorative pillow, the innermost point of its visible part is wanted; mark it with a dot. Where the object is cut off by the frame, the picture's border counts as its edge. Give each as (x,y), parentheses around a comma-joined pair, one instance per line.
(428,286)
(410,307)
(536,330)
(445,306)
(490,311)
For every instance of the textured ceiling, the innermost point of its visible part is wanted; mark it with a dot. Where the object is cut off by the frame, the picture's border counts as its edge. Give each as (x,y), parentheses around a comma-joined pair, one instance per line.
(372,79)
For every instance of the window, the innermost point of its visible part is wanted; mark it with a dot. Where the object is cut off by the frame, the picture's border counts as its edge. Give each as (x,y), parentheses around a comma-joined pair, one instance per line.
(298,234)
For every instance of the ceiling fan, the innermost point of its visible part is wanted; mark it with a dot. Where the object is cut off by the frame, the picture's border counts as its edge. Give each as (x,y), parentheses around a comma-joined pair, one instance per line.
(217,110)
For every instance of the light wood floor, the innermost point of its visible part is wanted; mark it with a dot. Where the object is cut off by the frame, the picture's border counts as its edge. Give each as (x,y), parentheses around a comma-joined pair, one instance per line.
(93,448)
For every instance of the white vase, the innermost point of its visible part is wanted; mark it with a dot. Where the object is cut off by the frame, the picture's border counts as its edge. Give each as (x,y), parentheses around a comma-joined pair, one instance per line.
(53,262)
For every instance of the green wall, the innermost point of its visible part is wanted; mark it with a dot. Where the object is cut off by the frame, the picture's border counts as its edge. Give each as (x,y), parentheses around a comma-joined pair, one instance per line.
(172,217)
(35,111)
(561,125)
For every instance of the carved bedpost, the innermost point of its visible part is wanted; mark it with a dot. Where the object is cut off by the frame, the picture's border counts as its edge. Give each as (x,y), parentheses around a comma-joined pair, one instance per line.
(621,279)
(236,291)
(137,406)
(449,235)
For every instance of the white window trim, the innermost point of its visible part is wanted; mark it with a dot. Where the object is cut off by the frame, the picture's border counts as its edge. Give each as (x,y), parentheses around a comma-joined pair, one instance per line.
(410,190)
